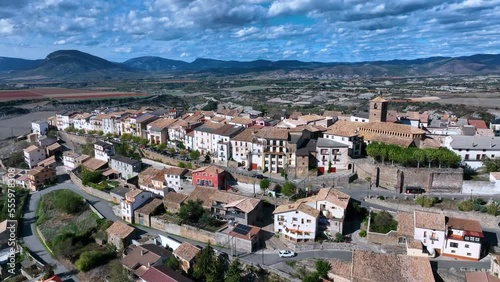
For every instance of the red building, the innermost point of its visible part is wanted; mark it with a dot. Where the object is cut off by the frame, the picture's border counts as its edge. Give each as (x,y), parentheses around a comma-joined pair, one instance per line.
(209,176)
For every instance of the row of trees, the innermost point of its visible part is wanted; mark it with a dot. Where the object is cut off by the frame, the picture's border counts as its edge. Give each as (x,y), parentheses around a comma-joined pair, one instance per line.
(413,157)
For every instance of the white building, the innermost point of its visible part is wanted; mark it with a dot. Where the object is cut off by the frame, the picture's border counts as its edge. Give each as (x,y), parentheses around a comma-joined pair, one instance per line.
(133,200)
(39,127)
(82,121)
(174,177)
(347,133)
(296,222)
(127,167)
(332,205)
(331,154)
(64,120)
(72,160)
(33,155)
(203,137)
(430,230)
(103,150)
(158,130)
(474,149)
(242,149)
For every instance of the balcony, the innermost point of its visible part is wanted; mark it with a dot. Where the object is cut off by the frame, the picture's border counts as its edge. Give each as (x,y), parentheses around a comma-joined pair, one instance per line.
(455,237)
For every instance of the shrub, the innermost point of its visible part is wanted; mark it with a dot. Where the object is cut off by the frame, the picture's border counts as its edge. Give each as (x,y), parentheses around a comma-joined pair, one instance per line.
(264,184)
(92,259)
(323,267)
(492,209)
(382,222)
(182,165)
(362,233)
(381,197)
(90,176)
(466,205)
(424,201)
(68,202)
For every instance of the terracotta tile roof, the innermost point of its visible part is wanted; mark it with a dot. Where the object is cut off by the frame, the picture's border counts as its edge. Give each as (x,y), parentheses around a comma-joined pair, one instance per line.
(81,158)
(161,273)
(391,127)
(94,164)
(218,119)
(150,207)
(245,136)
(331,195)
(120,229)
(143,255)
(110,172)
(244,204)
(464,224)
(378,267)
(379,99)
(204,194)
(54,146)
(209,169)
(480,277)
(405,224)
(31,149)
(311,118)
(161,124)
(47,162)
(37,170)
(414,244)
(228,130)
(273,133)
(186,251)
(387,139)
(133,193)
(427,220)
(175,171)
(344,128)
(148,175)
(478,123)
(175,198)
(298,206)
(496,175)
(241,120)
(341,268)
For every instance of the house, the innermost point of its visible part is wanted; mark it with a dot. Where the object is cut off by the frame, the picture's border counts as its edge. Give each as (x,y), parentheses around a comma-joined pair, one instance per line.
(209,176)
(94,164)
(33,155)
(134,199)
(139,259)
(478,123)
(172,201)
(380,267)
(480,277)
(275,142)
(127,167)
(112,121)
(331,156)
(179,130)
(40,176)
(82,121)
(72,160)
(332,205)
(138,125)
(54,149)
(245,238)
(346,132)
(448,236)
(39,127)
(241,121)
(174,177)
(64,119)
(185,254)
(153,180)
(158,130)
(474,149)
(162,273)
(118,194)
(296,222)
(242,149)
(103,150)
(495,264)
(143,214)
(203,137)
(120,234)
(49,162)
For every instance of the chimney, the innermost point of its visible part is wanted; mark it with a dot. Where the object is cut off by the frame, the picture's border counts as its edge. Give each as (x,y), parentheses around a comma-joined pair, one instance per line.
(143,252)
(149,264)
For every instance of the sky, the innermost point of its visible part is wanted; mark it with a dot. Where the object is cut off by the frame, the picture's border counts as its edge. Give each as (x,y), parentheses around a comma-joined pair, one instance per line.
(307,30)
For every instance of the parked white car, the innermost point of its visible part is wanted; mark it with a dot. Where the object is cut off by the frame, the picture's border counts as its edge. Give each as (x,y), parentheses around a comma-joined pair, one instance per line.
(286,254)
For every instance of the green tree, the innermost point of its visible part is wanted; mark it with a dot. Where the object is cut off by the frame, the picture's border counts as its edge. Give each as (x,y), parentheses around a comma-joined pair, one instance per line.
(173,263)
(491,165)
(108,135)
(68,202)
(234,272)
(191,211)
(88,176)
(181,165)
(217,270)
(181,145)
(382,222)
(339,238)
(288,188)
(88,149)
(311,277)
(161,146)
(466,205)
(492,209)
(207,158)
(329,166)
(210,106)
(322,267)
(118,273)
(264,184)
(171,150)
(194,155)
(100,132)
(203,262)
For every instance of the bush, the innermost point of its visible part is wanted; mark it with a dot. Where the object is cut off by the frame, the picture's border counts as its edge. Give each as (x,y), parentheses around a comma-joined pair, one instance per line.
(381,197)
(288,188)
(322,267)
(181,165)
(92,259)
(466,205)
(492,209)
(68,202)
(382,222)
(362,233)
(264,184)
(424,201)
(88,176)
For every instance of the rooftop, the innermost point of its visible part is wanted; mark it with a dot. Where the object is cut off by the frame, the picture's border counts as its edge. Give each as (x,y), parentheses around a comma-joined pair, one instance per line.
(327,143)
(298,206)
(273,133)
(475,142)
(344,128)
(465,224)
(31,149)
(94,164)
(125,160)
(480,277)
(103,144)
(144,255)
(161,273)
(244,136)
(173,197)
(186,251)
(478,123)
(161,124)
(121,191)
(427,220)
(228,130)
(331,195)
(120,229)
(150,207)
(405,224)
(175,171)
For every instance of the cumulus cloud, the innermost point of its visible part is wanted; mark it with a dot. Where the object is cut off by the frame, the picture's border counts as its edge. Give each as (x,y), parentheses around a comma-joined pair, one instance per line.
(185,54)
(6,26)
(123,50)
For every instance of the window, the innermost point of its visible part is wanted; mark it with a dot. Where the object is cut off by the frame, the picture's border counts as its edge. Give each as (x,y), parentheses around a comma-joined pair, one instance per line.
(467,246)
(466,157)
(425,233)
(452,251)
(453,245)
(308,221)
(294,219)
(302,221)
(324,151)
(467,238)
(478,157)
(477,239)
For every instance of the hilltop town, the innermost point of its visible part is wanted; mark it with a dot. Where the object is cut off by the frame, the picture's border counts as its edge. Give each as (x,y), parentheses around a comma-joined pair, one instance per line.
(187,187)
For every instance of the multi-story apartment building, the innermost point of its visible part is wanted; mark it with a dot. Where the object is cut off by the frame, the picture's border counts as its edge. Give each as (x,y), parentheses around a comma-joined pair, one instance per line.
(111,122)
(242,149)
(275,140)
(174,177)
(103,150)
(331,155)
(82,121)
(127,167)
(158,130)
(209,176)
(64,120)
(296,222)
(204,138)
(33,155)
(221,142)
(474,149)
(39,127)
(136,125)
(72,160)
(133,200)
(178,130)
(153,180)
(39,176)
(346,132)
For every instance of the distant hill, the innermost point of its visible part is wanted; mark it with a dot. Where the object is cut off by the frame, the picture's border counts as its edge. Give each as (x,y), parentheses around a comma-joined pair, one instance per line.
(151,63)
(73,64)
(10,64)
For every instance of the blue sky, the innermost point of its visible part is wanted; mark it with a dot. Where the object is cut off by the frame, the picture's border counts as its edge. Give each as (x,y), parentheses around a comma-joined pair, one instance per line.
(308,30)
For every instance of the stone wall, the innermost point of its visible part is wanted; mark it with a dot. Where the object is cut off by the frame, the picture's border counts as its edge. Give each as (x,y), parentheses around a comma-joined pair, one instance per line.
(396,178)
(324,246)
(486,220)
(480,188)
(89,190)
(390,238)
(186,231)
(233,243)
(79,139)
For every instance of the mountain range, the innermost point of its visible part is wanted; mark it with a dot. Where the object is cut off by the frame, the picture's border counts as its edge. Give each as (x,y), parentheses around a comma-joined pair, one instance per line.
(77,65)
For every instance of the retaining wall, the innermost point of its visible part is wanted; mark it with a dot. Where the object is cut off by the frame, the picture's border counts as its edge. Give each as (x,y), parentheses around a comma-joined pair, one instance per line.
(186,231)
(480,188)
(89,190)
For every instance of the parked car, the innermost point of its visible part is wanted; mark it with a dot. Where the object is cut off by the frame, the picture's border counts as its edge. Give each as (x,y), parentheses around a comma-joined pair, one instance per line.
(286,254)
(258,176)
(414,190)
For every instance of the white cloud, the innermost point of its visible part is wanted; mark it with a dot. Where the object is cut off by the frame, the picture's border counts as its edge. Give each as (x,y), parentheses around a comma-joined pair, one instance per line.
(6,27)
(60,42)
(246,31)
(185,54)
(122,50)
